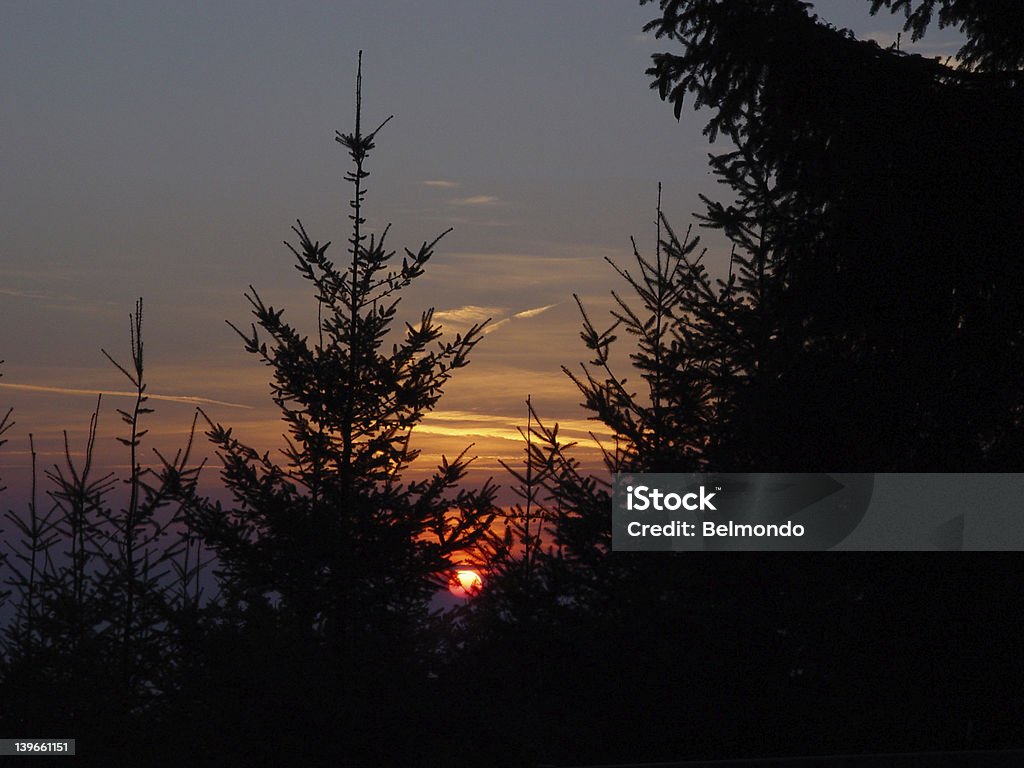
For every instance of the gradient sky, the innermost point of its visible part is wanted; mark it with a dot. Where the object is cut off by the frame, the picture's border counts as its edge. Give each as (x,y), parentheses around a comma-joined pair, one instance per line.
(163,150)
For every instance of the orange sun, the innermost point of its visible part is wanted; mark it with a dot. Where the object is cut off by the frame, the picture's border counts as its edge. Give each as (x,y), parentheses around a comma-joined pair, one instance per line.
(465,583)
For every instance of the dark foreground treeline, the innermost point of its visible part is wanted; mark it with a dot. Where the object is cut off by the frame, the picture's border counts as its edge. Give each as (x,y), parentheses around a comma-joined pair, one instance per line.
(871,320)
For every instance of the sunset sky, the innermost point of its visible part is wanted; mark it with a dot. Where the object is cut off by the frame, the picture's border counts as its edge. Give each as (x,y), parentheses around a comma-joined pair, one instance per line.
(164,150)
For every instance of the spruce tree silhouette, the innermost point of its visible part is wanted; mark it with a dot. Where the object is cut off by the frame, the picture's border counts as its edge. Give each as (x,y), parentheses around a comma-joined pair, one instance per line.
(330,558)
(92,645)
(882,192)
(870,319)
(667,426)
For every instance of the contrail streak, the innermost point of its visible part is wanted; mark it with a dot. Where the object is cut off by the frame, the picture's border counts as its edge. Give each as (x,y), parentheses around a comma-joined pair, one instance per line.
(93,393)
(533,312)
(526,314)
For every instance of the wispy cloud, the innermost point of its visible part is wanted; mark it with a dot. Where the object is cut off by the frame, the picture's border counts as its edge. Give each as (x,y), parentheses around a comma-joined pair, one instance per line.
(467,315)
(481,200)
(453,221)
(23,294)
(470,424)
(441,183)
(524,315)
(457,415)
(492,327)
(190,399)
(469,430)
(61,301)
(533,312)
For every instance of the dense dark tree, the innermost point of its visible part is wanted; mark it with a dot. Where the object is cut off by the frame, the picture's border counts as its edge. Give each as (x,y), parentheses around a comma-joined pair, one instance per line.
(101,577)
(870,319)
(881,194)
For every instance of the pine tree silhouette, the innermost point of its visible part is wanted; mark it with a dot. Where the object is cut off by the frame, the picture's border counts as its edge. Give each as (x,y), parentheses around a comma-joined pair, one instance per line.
(92,644)
(882,193)
(860,325)
(334,543)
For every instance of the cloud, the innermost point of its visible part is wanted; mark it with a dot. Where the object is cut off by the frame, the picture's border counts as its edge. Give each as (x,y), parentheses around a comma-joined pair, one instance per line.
(482,200)
(457,415)
(463,220)
(467,315)
(24,294)
(441,183)
(471,313)
(526,313)
(469,430)
(60,301)
(190,399)
(492,327)
(467,424)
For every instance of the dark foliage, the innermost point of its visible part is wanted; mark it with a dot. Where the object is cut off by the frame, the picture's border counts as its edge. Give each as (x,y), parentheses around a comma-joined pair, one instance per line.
(994,28)
(103,576)
(870,319)
(881,194)
(334,538)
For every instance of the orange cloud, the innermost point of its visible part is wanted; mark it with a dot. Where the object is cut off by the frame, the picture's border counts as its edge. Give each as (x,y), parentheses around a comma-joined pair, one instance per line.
(526,313)
(471,313)
(467,315)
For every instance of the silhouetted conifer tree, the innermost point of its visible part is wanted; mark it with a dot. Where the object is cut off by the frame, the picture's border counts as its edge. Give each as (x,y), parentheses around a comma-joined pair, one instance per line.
(327,560)
(526,519)
(92,643)
(666,426)
(869,318)
(334,542)
(882,191)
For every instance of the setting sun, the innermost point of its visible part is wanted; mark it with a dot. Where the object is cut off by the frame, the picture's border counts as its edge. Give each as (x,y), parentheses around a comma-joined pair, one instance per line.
(465,583)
